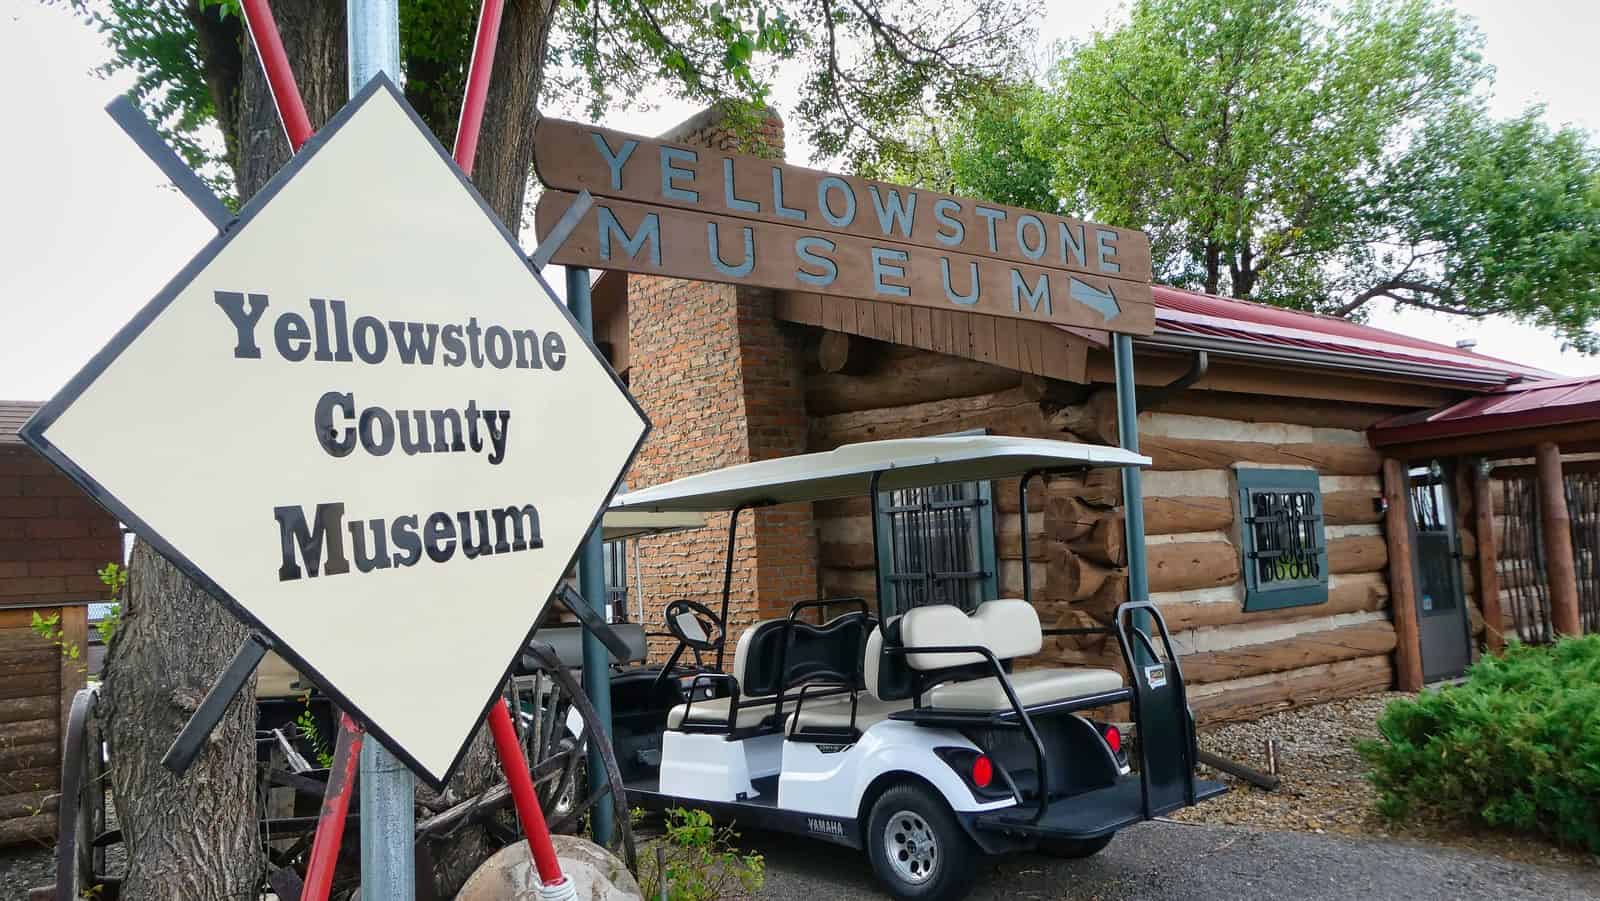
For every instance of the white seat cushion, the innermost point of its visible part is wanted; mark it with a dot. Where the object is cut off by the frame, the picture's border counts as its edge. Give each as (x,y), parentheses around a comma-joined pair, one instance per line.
(714,712)
(834,713)
(1034,686)
(1008,628)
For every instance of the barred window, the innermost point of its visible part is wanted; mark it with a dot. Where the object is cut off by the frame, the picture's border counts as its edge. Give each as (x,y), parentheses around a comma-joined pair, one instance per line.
(1285,553)
(936,546)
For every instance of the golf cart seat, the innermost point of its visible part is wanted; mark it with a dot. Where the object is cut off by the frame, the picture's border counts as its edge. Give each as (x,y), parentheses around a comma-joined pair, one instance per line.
(782,654)
(1008,629)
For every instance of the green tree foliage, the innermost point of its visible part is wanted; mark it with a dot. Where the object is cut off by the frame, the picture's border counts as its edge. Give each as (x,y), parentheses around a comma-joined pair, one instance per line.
(1302,153)
(866,64)
(1493,217)
(1516,747)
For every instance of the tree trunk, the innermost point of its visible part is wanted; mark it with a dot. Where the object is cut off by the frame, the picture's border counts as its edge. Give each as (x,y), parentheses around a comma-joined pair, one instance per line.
(194,836)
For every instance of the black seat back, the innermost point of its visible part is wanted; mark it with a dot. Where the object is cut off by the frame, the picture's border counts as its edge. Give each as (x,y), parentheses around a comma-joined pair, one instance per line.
(786,653)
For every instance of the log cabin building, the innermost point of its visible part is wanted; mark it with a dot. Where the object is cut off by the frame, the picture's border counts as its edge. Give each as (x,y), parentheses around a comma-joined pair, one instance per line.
(1321,515)
(53,541)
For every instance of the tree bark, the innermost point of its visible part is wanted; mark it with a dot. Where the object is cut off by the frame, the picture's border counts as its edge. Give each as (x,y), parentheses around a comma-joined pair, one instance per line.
(194,836)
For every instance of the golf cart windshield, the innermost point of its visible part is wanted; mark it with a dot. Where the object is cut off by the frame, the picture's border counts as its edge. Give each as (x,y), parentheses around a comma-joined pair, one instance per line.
(849,471)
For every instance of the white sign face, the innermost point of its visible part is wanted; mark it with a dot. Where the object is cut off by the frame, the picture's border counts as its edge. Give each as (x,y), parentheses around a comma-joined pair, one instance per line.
(360,419)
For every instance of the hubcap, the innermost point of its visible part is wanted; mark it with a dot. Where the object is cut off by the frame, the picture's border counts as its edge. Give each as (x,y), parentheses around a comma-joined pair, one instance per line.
(912,849)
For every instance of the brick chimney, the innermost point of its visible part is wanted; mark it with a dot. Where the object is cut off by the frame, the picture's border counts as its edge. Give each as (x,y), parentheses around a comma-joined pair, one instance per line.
(723,381)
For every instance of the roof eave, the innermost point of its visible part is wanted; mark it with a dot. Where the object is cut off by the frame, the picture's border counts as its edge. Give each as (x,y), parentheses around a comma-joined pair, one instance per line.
(1251,350)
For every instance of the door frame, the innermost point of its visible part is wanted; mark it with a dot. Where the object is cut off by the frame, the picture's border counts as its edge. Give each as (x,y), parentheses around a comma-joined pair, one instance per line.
(1457,583)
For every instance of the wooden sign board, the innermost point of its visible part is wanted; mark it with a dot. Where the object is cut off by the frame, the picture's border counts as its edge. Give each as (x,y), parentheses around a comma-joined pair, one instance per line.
(660,207)
(636,237)
(360,420)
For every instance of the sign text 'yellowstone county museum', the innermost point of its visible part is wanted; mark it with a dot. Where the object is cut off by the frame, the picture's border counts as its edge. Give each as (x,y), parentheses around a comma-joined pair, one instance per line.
(668,209)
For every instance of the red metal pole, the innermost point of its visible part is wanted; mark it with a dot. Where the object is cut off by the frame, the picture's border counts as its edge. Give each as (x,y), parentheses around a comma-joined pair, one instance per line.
(527,803)
(285,93)
(483,46)
(335,806)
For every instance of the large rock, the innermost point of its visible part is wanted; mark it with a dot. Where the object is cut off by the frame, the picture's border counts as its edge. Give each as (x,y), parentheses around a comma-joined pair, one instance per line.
(596,873)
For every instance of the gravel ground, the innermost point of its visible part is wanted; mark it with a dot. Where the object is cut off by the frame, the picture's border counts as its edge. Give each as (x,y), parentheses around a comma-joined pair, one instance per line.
(1166,860)
(23,868)
(1324,786)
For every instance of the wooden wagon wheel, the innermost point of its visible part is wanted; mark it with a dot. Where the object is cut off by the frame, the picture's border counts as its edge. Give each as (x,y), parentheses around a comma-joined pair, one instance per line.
(545,700)
(81,814)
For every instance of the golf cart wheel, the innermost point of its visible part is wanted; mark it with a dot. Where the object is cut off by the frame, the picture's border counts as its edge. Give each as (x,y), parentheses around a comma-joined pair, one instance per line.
(917,847)
(1075,848)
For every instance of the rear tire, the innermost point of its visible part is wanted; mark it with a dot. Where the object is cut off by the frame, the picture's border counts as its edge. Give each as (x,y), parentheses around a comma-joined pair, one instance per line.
(1075,848)
(918,849)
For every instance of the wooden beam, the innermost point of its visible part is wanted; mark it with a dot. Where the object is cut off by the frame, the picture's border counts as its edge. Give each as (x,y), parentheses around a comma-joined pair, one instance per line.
(74,668)
(1402,577)
(1488,559)
(1248,699)
(844,353)
(1575,437)
(1529,471)
(1187,565)
(1352,594)
(900,376)
(1560,565)
(1328,458)
(1275,407)
(1017,344)
(1176,515)
(1309,649)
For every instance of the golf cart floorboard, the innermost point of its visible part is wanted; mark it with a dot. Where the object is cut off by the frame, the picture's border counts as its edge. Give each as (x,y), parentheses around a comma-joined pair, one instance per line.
(649,788)
(1088,815)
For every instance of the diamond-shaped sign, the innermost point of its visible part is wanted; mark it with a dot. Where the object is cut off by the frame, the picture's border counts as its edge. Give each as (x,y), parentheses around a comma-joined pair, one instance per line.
(363,421)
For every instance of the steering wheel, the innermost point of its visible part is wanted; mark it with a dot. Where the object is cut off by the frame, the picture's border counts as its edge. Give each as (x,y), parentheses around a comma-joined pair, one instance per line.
(694,624)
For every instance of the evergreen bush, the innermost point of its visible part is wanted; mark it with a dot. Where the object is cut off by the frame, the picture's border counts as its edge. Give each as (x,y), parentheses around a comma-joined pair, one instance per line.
(1516,746)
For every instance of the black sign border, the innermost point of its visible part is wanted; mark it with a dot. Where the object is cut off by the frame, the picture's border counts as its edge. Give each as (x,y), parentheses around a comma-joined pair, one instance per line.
(33,431)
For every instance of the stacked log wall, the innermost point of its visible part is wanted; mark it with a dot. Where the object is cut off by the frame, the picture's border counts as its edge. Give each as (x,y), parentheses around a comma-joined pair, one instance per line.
(37,683)
(1237,664)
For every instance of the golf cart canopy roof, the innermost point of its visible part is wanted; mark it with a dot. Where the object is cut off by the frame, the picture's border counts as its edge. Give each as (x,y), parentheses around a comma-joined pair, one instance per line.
(633,523)
(848,470)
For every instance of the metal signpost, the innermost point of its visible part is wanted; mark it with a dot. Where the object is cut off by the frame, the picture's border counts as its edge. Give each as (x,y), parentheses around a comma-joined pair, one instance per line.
(369,428)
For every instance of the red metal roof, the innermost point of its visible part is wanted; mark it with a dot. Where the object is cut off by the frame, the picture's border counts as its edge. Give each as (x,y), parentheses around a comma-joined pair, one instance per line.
(1180,312)
(1520,406)
(13,413)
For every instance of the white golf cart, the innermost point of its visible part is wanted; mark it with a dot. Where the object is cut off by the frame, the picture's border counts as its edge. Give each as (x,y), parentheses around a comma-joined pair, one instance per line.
(906,733)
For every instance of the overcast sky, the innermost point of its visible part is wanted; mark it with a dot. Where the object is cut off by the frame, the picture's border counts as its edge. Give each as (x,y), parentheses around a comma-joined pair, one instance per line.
(90,231)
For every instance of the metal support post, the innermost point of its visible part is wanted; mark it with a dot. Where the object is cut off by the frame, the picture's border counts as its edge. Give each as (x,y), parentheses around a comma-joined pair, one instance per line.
(388,790)
(592,585)
(388,822)
(1132,478)
(373,41)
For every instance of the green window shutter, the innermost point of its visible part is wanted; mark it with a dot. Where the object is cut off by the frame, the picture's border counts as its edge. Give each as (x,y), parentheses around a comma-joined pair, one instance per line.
(1283,540)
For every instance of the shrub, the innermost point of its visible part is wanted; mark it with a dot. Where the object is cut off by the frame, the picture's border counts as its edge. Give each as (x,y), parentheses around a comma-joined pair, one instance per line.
(1516,746)
(698,861)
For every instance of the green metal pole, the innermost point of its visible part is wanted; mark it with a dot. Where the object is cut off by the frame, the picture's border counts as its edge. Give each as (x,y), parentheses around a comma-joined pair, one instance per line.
(1132,477)
(592,585)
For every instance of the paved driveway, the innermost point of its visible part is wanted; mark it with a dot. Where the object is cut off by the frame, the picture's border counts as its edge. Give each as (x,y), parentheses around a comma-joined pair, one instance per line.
(1172,861)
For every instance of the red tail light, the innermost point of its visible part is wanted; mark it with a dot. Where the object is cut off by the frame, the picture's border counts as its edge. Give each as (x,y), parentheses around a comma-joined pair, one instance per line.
(1113,739)
(982,771)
